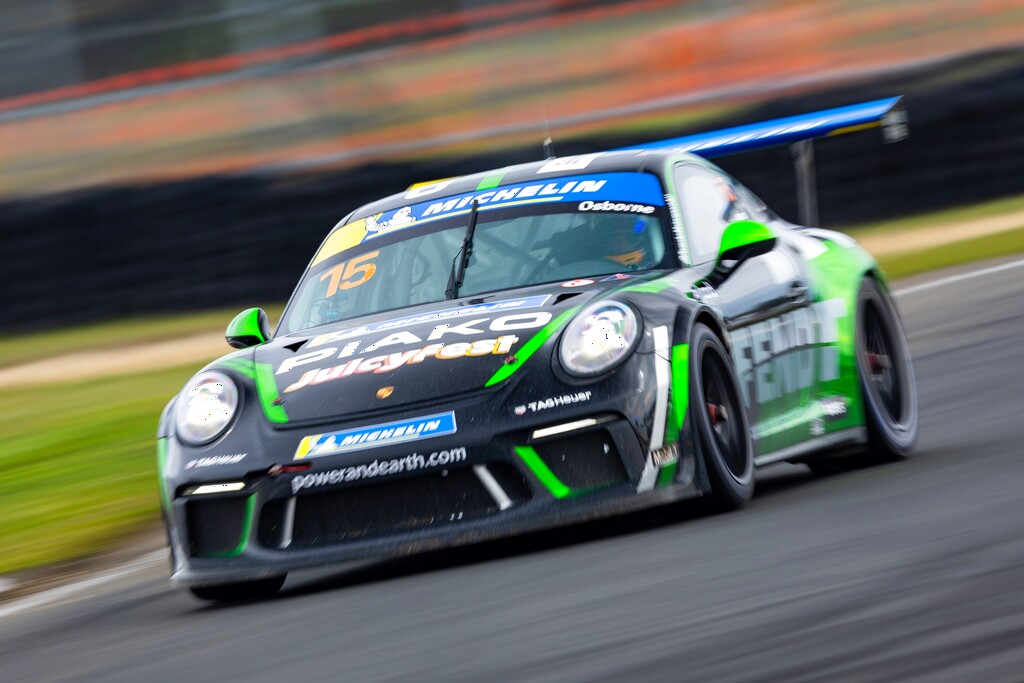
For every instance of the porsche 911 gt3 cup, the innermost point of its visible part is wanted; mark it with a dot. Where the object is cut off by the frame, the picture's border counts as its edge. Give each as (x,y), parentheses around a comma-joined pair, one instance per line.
(529,347)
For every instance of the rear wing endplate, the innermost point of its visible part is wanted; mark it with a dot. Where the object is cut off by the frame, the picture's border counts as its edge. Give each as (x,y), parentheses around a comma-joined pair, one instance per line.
(798,132)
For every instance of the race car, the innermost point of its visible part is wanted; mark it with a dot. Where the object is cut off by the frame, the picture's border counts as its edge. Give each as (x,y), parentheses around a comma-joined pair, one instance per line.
(534,346)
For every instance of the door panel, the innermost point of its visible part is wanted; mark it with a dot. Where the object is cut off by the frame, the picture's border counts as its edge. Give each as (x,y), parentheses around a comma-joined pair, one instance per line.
(765,302)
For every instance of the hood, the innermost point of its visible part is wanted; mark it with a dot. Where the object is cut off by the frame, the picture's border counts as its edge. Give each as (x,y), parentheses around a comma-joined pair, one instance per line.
(420,353)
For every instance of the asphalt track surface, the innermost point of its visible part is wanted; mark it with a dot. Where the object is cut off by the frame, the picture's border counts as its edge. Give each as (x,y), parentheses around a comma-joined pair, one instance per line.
(910,572)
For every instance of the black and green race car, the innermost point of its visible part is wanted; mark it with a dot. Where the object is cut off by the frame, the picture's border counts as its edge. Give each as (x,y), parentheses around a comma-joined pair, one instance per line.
(529,347)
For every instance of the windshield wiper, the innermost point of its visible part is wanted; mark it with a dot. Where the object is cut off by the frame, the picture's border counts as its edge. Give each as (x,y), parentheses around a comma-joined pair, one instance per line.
(458,272)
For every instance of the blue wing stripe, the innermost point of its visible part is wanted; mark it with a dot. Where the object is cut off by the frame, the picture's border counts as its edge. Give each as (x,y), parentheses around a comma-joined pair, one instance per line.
(776,132)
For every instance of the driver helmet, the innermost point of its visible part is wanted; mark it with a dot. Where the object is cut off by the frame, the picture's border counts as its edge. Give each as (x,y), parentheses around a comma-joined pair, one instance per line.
(624,239)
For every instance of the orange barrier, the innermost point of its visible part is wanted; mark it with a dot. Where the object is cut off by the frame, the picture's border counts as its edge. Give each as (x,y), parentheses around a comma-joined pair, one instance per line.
(412,28)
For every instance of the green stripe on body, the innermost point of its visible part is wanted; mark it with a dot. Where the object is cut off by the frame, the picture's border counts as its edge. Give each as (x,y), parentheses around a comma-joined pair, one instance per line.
(679,399)
(530,347)
(266,387)
(161,465)
(546,476)
(680,385)
(242,367)
(667,474)
(262,374)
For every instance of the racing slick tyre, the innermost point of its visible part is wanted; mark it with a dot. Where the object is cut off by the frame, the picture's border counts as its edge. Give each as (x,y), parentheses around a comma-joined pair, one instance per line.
(236,592)
(887,385)
(721,422)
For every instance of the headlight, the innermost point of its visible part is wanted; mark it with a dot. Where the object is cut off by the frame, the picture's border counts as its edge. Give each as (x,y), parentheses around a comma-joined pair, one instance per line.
(205,407)
(597,339)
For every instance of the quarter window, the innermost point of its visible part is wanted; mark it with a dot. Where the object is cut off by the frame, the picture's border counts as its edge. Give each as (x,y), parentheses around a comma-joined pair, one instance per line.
(709,202)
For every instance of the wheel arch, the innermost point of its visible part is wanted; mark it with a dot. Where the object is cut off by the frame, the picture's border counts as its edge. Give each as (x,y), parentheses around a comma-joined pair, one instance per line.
(688,316)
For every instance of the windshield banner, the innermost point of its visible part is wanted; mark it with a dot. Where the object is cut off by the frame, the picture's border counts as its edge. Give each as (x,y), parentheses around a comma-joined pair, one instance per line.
(637,188)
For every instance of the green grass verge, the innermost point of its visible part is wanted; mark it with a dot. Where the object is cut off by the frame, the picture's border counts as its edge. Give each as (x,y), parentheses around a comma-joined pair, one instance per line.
(79,465)
(21,348)
(960,214)
(990,246)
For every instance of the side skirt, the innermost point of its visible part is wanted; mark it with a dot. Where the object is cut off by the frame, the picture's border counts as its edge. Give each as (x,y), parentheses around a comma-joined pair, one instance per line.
(854,435)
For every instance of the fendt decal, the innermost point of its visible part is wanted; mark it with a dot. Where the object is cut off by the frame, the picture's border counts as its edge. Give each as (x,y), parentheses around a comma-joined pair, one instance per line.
(790,353)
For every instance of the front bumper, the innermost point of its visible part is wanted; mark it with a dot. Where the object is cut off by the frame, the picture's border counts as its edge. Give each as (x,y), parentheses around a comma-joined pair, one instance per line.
(509,469)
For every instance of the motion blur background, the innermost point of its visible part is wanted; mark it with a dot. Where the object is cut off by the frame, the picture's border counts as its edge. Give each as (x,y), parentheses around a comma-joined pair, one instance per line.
(191,153)
(162,158)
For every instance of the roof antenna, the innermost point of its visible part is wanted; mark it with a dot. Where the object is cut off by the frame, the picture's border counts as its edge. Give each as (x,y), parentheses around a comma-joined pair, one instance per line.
(549,145)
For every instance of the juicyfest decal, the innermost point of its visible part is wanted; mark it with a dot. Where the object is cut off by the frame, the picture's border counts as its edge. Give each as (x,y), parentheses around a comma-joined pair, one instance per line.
(442,332)
(489,307)
(375,436)
(392,361)
(553,402)
(378,468)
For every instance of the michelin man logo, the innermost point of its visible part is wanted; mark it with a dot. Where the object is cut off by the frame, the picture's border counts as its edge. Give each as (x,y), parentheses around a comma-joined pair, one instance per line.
(401,218)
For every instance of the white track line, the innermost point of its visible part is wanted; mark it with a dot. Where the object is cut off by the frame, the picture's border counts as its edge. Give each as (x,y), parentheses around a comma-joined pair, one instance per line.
(159,556)
(957,278)
(31,602)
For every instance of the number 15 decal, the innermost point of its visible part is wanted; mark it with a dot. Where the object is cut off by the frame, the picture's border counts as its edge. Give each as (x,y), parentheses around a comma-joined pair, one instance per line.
(349,274)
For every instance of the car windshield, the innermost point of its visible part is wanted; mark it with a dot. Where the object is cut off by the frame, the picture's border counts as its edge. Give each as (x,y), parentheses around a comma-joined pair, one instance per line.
(528,233)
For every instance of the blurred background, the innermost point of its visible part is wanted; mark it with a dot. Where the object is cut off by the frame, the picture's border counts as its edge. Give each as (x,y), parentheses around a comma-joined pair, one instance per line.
(163,164)
(198,151)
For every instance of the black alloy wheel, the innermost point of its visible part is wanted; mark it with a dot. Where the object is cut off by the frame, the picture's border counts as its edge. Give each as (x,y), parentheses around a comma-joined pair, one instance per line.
(721,422)
(886,381)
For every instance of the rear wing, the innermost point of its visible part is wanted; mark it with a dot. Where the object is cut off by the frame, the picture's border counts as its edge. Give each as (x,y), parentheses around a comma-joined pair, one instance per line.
(798,132)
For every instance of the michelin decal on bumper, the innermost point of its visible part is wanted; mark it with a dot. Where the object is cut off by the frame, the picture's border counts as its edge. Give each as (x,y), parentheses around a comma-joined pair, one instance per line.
(375,436)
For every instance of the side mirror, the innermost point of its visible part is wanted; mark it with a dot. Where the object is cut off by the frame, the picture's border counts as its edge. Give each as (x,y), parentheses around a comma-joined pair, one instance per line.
(743,240)
(249,328)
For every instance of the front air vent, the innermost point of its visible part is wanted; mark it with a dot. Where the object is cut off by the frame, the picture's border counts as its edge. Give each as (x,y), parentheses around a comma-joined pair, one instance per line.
(359,512)
(583,461)
(215,526)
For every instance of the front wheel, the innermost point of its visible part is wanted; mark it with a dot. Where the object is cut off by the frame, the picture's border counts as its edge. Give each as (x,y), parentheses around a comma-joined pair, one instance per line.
(887,385)
(245,590)
(720,420)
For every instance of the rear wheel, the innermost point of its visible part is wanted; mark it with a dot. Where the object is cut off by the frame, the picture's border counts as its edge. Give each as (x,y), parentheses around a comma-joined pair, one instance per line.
(720,421)
(886,382)
(246,590)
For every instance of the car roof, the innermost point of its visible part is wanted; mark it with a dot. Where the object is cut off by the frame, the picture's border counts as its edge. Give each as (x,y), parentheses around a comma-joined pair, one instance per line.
(601,162)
